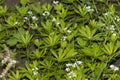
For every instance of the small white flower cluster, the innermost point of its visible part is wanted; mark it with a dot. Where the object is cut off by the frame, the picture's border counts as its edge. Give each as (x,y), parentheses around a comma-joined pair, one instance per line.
(114,34)
(70,73)
(56,22)
(115,68)
(64,38)
(9,60)
(117,18)
(107,13)
(35,70)
(30,12)
(55,2)
(53,20)
(31,25)
(26,18)
(68,31)
(45,13)
(112,29)
(89,9)
(34,18)
(5,60)
(16,23)
(74,65)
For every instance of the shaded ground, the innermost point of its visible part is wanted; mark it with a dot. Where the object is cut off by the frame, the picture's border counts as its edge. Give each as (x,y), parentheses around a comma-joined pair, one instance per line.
(10,3)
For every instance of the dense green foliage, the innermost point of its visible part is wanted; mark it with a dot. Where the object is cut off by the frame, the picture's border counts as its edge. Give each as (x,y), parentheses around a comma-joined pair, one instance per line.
(67,40)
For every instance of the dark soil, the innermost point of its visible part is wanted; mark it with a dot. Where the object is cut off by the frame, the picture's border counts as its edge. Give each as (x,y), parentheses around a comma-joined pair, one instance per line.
(11,3)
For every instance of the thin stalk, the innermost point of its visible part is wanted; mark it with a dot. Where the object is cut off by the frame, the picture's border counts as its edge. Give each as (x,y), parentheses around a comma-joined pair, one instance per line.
(95,6)
(27,53)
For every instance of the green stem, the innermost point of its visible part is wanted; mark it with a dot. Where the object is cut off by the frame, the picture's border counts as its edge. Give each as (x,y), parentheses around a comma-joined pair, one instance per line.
(95,6)
(27,53)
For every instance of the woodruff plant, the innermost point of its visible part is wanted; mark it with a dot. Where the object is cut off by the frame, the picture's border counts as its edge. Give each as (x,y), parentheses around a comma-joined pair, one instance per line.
(71,40)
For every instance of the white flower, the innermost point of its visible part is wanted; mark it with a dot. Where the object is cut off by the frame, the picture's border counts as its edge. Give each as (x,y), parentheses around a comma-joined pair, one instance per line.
(35,72)
(15,23)
(114,34)
(79,62)
(115,68)
(63,38)
(67,69)
(12,62)
(36,68)
(107,13)
(31,25)
(34,18)
(74,65)
(55,2)
(71,74)
(57,23)
(117,18)
(64,29)
(89,8)
(26,18)
(46,13)
(68,65)
(53,19)
(112,27)
(5,60)
(68,31)
(30,12)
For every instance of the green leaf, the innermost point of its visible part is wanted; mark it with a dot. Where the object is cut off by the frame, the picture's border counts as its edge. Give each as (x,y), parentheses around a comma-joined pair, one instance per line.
(87,32)
(22,10)
(37,54)
(23,2)
(93,51)
(82,11)
(11,21)
(12,41)
(15,76)
(81,42)
(37,42)
(46,64)
(58,7)
(47,26)
(62,55)
(62,13)
(52,39)
(37,8)
(54,53)
(3,10)
(63,44)
(108,48)
(25,39)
